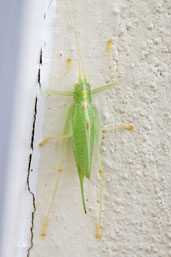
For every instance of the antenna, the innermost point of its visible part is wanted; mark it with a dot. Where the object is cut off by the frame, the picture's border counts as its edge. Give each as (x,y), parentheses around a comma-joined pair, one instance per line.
(81,67)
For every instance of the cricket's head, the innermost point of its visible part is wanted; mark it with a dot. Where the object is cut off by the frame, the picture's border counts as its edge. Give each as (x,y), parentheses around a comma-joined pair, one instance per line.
(82,93)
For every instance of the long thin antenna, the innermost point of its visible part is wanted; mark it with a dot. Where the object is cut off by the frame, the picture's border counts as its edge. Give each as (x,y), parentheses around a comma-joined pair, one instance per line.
(81,66)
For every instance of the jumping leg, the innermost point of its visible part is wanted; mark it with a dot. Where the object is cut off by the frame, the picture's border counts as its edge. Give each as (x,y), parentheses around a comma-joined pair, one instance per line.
(67,131)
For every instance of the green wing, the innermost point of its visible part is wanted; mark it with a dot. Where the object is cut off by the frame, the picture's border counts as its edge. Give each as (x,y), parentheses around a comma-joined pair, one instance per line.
(84,132)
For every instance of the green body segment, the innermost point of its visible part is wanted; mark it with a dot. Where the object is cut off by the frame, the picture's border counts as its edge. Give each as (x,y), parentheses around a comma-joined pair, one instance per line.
(85,130)
(83,138)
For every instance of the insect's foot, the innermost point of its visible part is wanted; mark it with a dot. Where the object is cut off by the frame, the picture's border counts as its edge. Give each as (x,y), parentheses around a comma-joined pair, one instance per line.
(43,142)
(44,229)
(100,172)
(129,127)
(109,42)
(69,63)
(98,235)
(60,170)
(43,234)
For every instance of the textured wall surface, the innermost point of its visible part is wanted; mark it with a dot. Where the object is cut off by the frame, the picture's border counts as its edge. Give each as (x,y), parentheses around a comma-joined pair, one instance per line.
(136,217)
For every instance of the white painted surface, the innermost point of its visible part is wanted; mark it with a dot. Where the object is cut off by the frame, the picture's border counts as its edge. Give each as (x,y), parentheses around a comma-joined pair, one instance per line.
(19,201)
(136,197)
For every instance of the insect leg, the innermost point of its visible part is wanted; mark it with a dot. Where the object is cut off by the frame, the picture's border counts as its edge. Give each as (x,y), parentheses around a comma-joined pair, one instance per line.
(98,233)
(67,131)
(108,86)
(53,138)
(97,138)
(98,141)
(68,67)
(53,92)
(129,127)
(100,89)
(64,93)
(109,42)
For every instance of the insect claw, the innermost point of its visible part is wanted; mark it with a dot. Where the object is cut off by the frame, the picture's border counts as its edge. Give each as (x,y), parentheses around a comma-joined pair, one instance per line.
(43,142)
(44,229)
(43,234)
(100,172)
(109,44)
(130,127)
(69,60)
(98,235)
(85,211)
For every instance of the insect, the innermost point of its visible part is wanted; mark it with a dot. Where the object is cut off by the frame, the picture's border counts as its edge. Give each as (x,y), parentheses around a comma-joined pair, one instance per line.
(83,128)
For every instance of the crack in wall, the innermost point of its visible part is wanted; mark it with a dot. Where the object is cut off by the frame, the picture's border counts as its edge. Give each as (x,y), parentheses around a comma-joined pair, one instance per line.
(30,160)
(38,75)
(34,205)
(34,122)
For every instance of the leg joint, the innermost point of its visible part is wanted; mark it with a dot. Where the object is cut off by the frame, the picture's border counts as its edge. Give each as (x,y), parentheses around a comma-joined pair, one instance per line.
(101,172)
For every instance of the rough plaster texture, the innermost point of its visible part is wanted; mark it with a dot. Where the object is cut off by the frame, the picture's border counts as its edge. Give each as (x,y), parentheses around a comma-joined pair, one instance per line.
(136,196)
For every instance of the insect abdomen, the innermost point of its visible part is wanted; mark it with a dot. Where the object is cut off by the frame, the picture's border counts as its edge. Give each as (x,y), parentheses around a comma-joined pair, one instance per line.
(83,138)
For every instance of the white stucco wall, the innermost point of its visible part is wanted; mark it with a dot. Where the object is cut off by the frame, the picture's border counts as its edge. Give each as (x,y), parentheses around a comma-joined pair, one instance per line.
(136,194)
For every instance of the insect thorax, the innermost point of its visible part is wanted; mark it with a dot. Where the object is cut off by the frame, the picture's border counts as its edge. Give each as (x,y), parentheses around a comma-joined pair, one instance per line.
(82,94)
